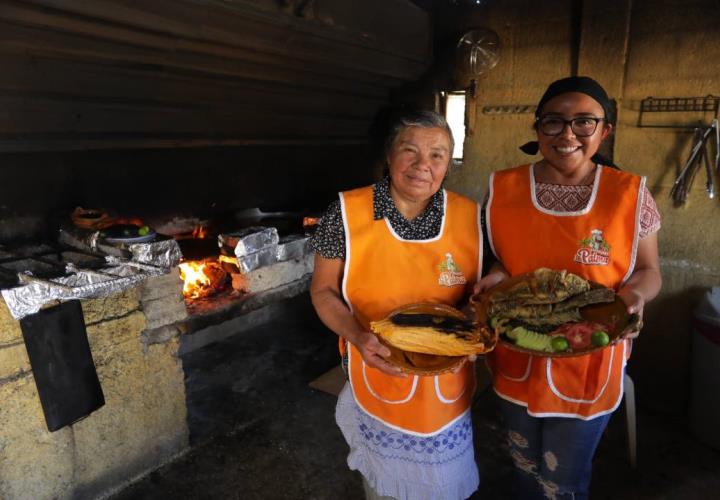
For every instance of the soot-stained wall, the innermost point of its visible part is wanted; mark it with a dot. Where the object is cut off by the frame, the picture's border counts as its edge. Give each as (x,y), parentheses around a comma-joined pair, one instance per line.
(193,107)
(39,190)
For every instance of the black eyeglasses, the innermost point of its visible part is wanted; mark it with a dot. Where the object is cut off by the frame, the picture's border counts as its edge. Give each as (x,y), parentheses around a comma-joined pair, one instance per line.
(582,126)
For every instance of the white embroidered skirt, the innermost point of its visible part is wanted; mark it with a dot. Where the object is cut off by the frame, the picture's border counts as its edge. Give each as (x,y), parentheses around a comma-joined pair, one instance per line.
(407,467)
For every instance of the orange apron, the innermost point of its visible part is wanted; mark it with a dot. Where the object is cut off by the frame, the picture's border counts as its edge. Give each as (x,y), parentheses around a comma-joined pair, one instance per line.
(384,272)
(598,243)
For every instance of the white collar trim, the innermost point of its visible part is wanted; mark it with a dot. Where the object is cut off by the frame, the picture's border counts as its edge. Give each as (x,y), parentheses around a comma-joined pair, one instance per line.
(584,211)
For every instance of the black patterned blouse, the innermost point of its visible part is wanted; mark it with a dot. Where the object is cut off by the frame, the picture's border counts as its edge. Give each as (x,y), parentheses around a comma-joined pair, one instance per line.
(329,238)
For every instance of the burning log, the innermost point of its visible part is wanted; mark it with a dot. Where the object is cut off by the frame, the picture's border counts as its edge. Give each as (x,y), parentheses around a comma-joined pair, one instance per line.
(202,278)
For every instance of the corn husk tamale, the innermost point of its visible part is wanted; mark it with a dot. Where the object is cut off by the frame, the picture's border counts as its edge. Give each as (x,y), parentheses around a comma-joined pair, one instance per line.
(430,333)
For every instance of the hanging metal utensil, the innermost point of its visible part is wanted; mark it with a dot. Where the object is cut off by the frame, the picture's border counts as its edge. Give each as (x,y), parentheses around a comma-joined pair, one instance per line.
(698,153)
(682,183)
(692,171)
(717,143)
(708,170)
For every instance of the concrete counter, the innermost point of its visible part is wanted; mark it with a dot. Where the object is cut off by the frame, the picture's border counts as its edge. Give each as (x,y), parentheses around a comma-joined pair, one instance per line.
(143,424)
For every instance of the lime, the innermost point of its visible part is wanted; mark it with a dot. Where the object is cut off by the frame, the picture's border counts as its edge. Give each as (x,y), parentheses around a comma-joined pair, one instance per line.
(600,338)
(560,344)
(143,231)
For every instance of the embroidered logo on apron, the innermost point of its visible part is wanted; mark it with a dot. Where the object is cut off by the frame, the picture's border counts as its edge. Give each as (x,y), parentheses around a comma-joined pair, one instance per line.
(594,250)
(450,273)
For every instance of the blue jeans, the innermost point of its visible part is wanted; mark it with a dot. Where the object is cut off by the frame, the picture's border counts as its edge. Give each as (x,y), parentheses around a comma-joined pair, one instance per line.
(552,456)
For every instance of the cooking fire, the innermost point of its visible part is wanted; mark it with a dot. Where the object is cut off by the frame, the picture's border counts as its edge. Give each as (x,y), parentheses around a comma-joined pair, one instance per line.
(202,278)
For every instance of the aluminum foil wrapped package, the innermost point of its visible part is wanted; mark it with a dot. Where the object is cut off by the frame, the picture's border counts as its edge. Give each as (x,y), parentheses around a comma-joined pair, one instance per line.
(82,240)
(250,240)
(127,267)
(162,253)
(80,284)
(256,260)
(292,247)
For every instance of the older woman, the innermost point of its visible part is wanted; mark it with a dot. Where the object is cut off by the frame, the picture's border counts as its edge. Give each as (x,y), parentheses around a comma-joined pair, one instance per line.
(380,247)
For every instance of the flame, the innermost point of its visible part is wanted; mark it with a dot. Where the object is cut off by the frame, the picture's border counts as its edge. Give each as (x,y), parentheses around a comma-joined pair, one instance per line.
(310,221)
(200,232)
(202,278)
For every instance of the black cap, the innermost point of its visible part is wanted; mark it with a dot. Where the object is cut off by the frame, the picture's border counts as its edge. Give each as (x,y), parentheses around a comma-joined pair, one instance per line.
(584,85)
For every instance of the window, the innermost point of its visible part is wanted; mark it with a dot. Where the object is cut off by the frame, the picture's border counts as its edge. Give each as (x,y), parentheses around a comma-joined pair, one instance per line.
(453,104)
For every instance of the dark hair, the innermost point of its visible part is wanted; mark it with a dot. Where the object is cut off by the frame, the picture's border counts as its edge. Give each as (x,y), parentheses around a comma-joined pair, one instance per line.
(416,118)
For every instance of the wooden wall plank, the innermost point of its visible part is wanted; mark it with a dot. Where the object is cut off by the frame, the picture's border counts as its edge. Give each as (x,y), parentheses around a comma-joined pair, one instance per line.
(201,35)
(46,116)
(23,40)
(222,21)
(95,74)
(22,76)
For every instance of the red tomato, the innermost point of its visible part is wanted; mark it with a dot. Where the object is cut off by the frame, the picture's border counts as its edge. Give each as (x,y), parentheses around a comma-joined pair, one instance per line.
(579,336)
(563,329)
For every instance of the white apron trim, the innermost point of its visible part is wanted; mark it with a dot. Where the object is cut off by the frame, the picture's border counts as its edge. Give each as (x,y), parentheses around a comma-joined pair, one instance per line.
(408,431)
(488,221)
(480,242)
(436,238)
(523,377)
(389,401)
(442,398)
(509,399)
(449,424)
(393,426)
(614,407)
(584,211)
(346,269)
(636,234)
(562,396)
(567,415)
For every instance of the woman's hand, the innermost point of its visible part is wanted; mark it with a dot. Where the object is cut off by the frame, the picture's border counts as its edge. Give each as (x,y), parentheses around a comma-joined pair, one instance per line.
(635,304)
(335,314)
(634,301)
(497,275)
(374,354)
(645,281)
(487,282)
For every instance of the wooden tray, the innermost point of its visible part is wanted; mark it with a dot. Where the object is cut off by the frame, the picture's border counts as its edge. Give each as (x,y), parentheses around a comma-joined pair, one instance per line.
(426,364)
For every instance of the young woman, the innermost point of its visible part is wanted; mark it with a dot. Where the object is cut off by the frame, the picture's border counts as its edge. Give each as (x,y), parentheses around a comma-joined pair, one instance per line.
(540,215)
